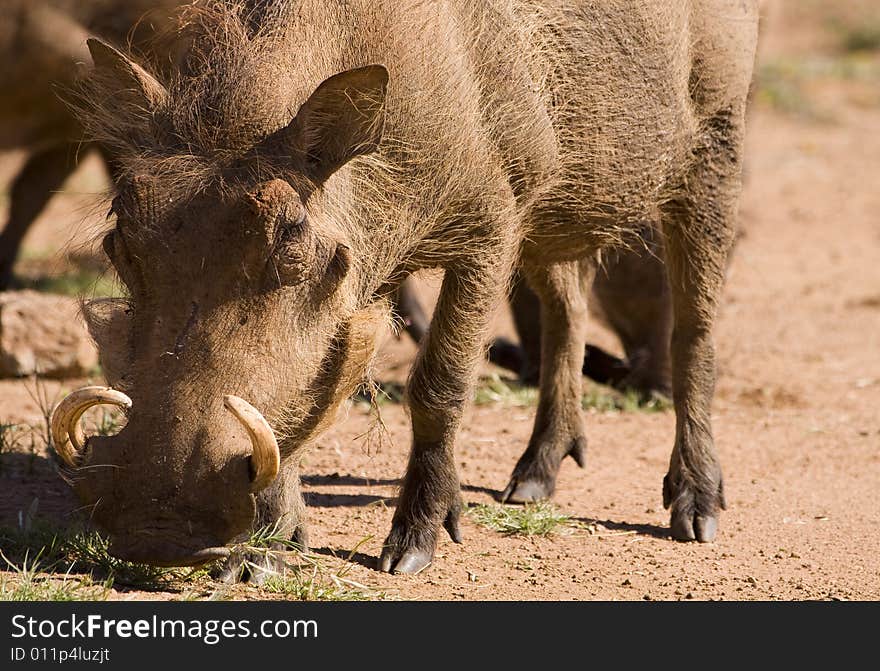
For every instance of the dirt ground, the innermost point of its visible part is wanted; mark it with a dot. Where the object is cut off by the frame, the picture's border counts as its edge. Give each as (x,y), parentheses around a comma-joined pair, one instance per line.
(796,417)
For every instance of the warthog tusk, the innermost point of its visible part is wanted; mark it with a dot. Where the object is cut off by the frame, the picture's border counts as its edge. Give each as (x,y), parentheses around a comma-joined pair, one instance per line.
(67,434)
(266,457)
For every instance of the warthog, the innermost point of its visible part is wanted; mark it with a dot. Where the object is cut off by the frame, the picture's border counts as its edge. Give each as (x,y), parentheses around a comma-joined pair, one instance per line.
(307,156)
(43,43)
(630,293)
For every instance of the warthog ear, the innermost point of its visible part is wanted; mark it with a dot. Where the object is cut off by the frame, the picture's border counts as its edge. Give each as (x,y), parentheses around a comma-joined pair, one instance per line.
(135,82)
(343,118)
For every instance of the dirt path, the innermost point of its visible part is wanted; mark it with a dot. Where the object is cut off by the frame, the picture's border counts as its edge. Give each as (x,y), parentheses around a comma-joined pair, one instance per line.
(796,419)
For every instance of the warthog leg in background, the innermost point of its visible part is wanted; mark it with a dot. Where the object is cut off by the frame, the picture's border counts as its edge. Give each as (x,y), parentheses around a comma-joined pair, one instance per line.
(409,309)
(633,296)
(42,175)
(632,293)
(525,307)
(559,425)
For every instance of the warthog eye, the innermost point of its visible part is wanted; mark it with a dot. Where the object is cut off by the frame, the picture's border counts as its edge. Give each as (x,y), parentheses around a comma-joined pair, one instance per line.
(116,249)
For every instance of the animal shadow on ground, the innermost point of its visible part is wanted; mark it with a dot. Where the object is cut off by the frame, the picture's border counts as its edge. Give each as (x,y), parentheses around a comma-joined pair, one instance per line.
(324,500)
(336,479)
(365,560)
(321,500)
(651,530)
(329,500)
(495,494)
(30,486)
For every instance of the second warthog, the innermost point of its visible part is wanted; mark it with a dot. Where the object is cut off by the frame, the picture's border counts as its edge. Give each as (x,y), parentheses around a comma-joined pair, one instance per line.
(308,156)
(43,47)
(630,294)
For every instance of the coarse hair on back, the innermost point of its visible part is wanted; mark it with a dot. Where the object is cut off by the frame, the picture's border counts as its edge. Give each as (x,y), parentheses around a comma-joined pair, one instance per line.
(217,105)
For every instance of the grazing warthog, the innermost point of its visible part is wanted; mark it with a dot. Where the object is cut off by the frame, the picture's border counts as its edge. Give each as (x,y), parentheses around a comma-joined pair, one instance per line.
(309,155)
(630,293)
(43,44)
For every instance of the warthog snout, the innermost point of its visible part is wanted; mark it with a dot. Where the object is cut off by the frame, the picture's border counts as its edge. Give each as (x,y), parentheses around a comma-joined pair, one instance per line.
(173,515)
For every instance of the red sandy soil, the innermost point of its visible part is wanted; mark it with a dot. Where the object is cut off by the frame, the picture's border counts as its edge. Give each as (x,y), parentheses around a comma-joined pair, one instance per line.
(796,417)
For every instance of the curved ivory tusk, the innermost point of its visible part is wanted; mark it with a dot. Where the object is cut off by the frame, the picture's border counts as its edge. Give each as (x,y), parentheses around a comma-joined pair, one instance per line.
(266,457)
(67,434)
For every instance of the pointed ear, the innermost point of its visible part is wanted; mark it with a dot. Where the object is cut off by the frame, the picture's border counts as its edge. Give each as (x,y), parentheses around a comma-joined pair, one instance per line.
(132,79)
(343,118)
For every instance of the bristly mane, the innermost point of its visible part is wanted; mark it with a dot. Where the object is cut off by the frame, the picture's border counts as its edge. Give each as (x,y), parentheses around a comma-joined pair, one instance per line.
(222,96)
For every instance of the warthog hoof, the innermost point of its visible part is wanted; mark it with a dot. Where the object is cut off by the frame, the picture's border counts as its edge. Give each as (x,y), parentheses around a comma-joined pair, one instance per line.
(534,478)
(411,561)
(409,549)
(693,516)
(526,491)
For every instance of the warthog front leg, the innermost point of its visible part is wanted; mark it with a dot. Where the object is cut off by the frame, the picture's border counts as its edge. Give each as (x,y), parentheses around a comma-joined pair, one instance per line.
(559,425)
(439,388)
(41,176)
(700,231)
(281,513)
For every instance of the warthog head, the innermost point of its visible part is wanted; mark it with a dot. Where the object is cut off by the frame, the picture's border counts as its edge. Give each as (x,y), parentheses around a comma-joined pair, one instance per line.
(244,327)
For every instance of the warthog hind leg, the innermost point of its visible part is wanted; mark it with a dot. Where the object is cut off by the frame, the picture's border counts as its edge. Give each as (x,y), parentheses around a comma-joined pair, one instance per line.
(559,425)
(633,293)
(700,231)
